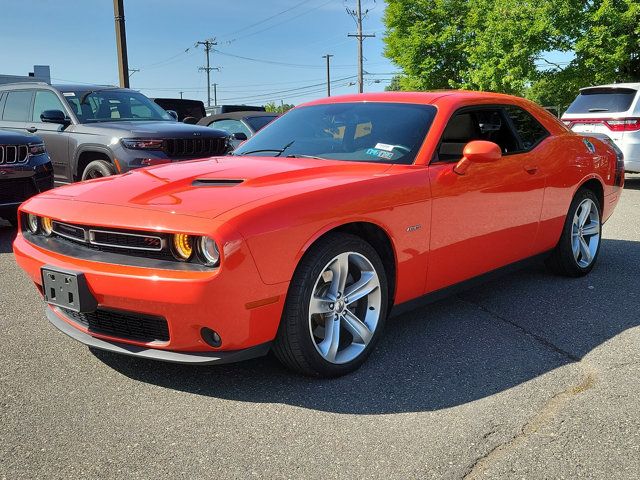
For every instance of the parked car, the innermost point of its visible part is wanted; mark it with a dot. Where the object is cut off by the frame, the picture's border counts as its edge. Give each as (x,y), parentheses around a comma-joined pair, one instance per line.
(96,131)
(239,125)
(342,210)
(218,109)
(612,110)
(192,110)
(25,170)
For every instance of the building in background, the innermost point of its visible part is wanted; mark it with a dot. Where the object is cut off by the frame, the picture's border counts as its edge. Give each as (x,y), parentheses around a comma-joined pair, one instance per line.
(41,73)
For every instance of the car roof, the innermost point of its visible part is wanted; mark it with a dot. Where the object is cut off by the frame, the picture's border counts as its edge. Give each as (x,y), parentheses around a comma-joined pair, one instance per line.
(425,98)
(634,86)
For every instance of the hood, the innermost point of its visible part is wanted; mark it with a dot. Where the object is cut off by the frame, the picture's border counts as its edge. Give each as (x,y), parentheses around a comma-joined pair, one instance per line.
(209,188)
(13,138)
(155,129)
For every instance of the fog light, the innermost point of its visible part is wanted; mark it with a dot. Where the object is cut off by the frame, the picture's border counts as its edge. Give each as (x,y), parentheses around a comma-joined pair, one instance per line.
(182,246)
(32,223)
(47,226)
(211,337)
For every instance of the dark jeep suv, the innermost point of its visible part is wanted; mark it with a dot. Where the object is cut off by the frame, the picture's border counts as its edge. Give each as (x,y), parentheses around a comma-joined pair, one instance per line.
(25,169)
(95,131)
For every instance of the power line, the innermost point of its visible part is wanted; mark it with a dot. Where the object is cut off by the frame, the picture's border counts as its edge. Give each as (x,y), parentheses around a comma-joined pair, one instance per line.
(265,19)
(281,92)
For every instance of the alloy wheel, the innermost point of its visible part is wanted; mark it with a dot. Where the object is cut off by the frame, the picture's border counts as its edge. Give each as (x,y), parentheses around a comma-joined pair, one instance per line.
(585,233)
(345,307)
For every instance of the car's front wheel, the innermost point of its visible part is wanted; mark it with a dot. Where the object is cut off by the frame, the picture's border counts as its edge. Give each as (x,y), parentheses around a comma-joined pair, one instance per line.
(335,309)
(578,248)
(98,169)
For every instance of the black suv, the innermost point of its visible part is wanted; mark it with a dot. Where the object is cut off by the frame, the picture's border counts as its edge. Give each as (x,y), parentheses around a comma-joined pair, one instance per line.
(95,131)
(25,169)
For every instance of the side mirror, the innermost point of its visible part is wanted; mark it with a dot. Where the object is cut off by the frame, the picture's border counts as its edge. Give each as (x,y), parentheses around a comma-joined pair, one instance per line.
(477,151)
(239,136)
(54,116)
(173,114)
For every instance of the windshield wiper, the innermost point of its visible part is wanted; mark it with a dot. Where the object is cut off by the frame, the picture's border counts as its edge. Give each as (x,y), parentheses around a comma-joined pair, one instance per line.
(298,155)
(279,150)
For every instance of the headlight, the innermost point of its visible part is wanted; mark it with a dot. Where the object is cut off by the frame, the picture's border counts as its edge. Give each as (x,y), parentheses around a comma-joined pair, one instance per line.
(47,225)
(209,251)
(32,223)
(182,246)
(37,149)
(143,143)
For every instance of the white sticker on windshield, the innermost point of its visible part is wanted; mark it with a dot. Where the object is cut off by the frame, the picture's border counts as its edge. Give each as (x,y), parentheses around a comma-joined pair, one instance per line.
(384,146)
(69,94)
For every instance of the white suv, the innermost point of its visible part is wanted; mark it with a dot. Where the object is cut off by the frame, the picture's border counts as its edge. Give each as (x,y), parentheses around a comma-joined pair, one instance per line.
(613,110)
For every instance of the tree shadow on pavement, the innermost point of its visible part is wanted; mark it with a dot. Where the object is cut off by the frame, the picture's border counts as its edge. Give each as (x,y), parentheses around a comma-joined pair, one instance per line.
(484,341)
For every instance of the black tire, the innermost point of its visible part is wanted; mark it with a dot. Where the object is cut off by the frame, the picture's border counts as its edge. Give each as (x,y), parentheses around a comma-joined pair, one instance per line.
(98,169)
(562,260)
(294,345)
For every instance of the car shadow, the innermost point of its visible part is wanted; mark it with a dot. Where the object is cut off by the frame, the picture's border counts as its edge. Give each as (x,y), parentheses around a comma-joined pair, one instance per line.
(7,235)
(481,342)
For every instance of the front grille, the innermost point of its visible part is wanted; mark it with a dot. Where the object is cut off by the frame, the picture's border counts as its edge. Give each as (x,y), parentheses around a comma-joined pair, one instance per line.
(121,324)
(69,231)
(125,240)
(10,154)
(16,190)
(195,147)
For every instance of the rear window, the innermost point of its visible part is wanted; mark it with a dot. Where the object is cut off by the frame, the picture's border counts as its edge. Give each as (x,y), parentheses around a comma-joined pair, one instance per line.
(604,100)
(258,123)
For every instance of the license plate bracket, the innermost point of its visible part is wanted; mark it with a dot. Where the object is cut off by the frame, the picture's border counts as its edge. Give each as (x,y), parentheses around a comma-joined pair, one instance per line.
(67,289)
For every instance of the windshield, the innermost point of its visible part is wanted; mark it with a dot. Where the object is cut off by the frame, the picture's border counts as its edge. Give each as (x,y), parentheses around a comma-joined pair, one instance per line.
(112,104)
(362,132)
(596,100)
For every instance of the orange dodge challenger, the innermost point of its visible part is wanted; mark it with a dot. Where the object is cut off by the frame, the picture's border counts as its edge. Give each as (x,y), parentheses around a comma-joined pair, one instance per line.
(337,214)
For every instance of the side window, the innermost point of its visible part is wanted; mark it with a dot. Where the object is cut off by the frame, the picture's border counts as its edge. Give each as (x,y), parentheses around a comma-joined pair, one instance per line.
(481,124)
(530,131)
(16,107)
(45,100)
(231,126)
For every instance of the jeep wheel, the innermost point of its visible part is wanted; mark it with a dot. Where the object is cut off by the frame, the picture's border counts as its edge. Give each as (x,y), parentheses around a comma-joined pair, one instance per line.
(98,169)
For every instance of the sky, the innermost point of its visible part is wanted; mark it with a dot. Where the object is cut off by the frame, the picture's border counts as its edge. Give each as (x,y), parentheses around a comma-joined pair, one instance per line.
(282,42)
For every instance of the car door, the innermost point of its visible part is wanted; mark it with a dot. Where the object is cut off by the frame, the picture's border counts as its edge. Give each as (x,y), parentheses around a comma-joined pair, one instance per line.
(16,110)
(54,135)
(488,217)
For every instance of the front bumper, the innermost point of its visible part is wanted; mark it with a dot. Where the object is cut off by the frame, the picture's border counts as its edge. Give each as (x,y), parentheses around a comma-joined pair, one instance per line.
(18,182)
(233,301)
(192,358)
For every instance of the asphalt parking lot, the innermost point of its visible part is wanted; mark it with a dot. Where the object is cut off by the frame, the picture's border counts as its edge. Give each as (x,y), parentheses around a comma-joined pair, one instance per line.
(528,376)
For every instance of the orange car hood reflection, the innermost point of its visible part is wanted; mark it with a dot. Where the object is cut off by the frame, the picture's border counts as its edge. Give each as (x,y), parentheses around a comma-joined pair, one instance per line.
(171,187)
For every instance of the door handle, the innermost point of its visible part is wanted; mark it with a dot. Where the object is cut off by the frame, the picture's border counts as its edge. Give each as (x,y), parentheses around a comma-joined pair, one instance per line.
(32,129)
(531,169)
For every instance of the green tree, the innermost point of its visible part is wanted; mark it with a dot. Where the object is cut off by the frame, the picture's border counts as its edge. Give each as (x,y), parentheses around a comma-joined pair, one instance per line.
(273,107)
(502,45)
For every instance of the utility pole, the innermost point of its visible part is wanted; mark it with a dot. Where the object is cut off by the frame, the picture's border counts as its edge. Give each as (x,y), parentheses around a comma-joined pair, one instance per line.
(215,94)
(358,16)
(121,43)
(180,95)
(208,46)
(328,57)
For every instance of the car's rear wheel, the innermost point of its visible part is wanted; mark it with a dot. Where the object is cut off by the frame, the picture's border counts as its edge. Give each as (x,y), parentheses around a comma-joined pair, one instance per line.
(98,169)
(335,309)
(578,248)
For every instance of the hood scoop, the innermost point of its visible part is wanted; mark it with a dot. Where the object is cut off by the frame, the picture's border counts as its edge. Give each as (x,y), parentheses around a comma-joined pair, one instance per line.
(215,182)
